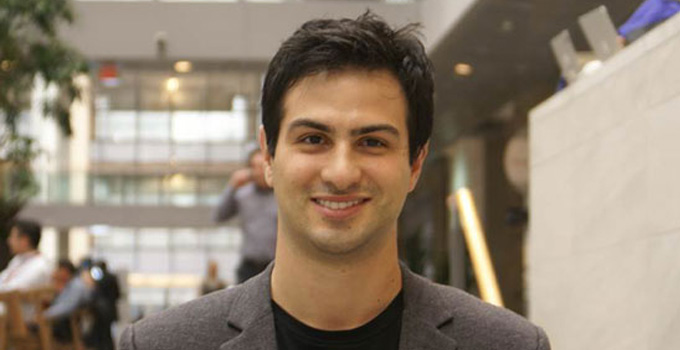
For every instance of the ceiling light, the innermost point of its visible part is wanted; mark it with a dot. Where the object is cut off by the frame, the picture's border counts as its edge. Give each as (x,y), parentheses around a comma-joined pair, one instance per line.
(172,84)
(463,69)
(183,66)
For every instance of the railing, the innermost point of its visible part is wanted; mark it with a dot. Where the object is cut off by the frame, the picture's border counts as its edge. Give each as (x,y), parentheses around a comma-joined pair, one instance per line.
(174,189)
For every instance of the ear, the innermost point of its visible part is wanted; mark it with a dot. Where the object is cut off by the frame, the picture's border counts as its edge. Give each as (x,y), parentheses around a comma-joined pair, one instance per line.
(417,166)
(262,138)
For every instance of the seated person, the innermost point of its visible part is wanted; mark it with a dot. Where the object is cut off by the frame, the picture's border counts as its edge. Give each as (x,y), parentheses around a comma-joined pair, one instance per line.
(73,293)
(28,269)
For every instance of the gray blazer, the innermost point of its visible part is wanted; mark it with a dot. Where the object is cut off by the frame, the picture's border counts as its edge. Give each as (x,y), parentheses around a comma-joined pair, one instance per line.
(435,317)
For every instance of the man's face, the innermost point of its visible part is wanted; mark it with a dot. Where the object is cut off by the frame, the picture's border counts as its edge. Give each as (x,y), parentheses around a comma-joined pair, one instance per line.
(341,171)
(17,242)
(61,277)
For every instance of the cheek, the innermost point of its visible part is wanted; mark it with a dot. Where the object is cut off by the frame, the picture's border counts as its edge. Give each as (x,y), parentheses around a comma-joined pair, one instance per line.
(300,172)
(394,174)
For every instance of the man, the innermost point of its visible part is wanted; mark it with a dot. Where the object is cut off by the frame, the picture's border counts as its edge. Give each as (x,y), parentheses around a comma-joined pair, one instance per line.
(73,293)
(28,268)
(347,115)
(106,292)
(212,281)
(249,196)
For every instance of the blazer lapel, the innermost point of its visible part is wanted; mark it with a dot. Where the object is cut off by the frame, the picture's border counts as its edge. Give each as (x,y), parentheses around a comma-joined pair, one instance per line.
(251,317)
(424,314)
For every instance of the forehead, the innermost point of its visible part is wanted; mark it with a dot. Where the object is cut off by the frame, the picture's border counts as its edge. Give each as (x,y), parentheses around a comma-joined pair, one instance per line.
(350,95)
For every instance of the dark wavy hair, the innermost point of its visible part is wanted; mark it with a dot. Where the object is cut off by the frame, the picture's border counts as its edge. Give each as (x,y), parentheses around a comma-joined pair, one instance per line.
(30,229)
(326,45)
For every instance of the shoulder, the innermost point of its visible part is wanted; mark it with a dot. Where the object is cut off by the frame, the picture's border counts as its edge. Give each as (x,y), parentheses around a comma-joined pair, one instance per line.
(198,324)
(40,267)
(474,316)
(44,261)
(475,324)
(245,190)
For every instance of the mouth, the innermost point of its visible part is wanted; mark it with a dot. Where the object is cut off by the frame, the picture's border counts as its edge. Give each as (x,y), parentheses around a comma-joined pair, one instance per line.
(338,208)
(338,205)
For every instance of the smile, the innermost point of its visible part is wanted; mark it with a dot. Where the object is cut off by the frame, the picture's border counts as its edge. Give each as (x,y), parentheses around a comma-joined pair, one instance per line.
(337,205)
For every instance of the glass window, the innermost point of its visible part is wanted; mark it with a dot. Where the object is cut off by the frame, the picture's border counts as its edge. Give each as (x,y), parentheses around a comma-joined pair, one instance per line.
(154,152)
(153,261)
(188,126)
(107,190)
(117,260)
(153,238)
(224,126)
(154,125)
(149,189)
(147,296)
(118,126)
(113,237)
(178,296)
(194,152)
(185,239)
(211,190)
(189,262)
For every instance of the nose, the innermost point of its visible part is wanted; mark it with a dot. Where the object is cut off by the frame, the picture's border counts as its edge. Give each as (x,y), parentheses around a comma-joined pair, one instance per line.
(341,172)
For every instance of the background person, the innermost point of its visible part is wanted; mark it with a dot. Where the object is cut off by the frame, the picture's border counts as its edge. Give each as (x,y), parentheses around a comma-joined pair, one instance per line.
(212,282)
(106,292)
(28,268)
(248,196)
(72,294)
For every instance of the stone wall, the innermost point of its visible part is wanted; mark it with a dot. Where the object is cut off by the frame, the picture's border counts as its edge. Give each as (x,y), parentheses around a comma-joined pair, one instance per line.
(603,258)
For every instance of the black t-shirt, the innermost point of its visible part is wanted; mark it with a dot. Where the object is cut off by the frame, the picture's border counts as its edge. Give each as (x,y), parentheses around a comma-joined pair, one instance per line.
(381,333)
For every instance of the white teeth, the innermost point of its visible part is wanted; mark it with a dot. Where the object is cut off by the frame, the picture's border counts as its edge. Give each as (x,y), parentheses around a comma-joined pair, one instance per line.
(337,205)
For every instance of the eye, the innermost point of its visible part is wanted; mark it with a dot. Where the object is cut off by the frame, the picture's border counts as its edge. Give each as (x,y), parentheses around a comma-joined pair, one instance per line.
(372,142)
(312,139)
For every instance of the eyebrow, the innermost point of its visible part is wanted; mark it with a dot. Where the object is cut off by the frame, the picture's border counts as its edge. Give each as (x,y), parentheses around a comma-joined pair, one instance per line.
(374,128)
(360,131)
(307,123)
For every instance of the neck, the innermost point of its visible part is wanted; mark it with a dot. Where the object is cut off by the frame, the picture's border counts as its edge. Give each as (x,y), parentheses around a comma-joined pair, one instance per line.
(27,252)
(339,293)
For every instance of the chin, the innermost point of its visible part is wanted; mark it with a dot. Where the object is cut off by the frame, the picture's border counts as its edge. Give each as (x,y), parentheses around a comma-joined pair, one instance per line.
(338,244)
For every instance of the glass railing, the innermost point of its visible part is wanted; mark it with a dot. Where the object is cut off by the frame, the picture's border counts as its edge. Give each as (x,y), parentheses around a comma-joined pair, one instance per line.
(176,189)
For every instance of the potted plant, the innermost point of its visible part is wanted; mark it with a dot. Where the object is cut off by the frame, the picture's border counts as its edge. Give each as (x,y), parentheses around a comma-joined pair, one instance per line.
(30,49)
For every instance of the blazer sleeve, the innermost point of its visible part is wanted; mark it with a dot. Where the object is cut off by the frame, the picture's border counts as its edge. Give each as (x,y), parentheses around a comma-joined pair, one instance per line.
(127,339)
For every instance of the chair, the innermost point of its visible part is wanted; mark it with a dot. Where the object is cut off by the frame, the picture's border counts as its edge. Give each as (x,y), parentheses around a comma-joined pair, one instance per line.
(76,335)
(13,328)
(3,325)
(18,334)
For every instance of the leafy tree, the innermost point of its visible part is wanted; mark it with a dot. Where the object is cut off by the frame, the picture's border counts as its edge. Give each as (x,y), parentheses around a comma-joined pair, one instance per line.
(29,48)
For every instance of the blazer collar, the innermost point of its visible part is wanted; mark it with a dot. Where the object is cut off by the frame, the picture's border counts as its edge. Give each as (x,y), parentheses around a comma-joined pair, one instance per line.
(251,315)
(425,312)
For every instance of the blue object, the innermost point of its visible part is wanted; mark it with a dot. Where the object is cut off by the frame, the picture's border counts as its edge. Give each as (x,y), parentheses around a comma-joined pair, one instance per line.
(650,13)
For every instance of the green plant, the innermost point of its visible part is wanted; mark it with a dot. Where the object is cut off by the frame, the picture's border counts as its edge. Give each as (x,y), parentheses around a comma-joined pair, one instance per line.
(30,48)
